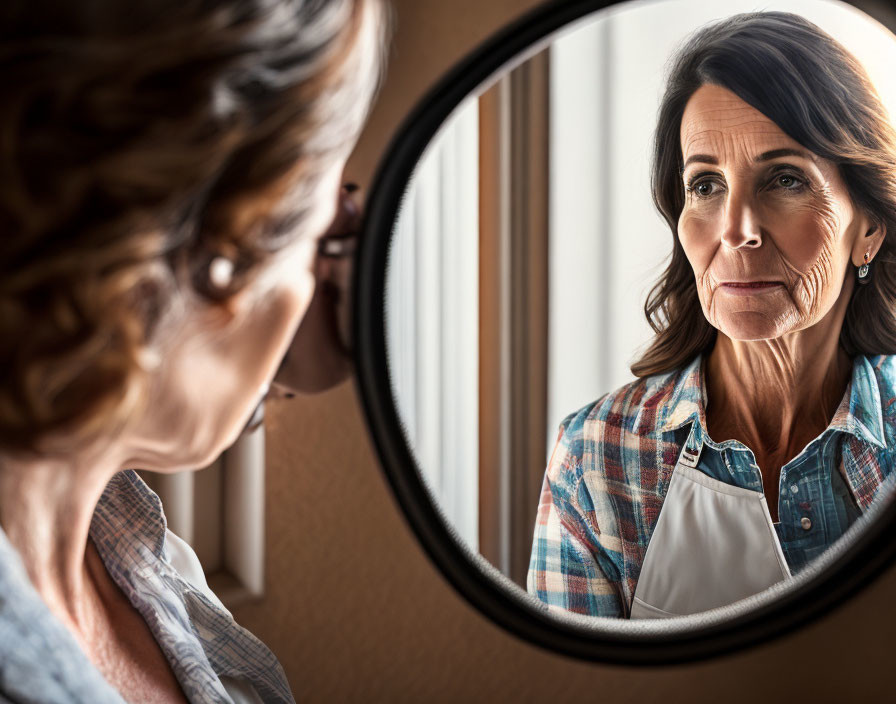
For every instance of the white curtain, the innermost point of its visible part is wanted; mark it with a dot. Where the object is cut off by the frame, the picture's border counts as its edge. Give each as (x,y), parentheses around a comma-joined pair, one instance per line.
(432,318)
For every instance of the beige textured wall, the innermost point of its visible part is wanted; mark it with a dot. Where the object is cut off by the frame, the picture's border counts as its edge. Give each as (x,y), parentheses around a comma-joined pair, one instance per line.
(355,611)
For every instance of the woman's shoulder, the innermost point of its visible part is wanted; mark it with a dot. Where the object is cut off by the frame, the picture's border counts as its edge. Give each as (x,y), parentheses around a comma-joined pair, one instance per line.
(632,408)
(884,368)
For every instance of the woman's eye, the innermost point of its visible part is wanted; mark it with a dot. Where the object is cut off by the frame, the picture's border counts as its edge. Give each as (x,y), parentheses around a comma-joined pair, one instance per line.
(788,182)
(702,189)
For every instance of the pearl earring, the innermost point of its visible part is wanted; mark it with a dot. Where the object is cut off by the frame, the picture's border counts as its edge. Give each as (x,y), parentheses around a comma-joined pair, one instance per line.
(220,272)
(864,272)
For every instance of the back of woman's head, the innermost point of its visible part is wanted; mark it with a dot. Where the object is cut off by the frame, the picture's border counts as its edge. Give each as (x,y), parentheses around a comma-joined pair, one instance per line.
(810,86)
(138,141)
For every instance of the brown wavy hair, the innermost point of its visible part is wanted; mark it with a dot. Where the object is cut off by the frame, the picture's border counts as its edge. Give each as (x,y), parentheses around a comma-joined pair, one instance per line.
(138,140)
(820,95)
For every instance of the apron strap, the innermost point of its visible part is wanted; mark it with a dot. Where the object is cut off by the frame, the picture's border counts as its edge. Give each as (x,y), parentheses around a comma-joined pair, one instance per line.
(693,446)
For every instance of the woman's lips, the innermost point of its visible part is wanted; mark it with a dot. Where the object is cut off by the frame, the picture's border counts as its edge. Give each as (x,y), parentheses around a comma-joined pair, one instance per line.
(737,288)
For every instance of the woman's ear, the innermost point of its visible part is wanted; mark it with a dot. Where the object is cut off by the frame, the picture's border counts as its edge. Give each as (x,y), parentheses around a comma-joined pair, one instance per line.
(319,356)
(869,242)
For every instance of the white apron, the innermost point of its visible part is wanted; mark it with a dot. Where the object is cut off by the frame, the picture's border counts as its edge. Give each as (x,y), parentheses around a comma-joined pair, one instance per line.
(713,544)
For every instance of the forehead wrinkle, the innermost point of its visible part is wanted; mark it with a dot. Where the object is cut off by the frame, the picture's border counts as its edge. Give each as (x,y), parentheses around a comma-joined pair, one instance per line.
(737,113)
(732,123)
(718,136)
(715,116)
(741,146)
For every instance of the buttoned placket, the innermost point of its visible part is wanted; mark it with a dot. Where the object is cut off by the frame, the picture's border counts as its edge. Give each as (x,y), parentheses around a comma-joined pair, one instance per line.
(805,493)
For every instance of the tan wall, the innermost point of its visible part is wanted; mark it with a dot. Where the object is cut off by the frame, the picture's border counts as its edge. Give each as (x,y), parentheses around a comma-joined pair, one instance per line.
(356,612)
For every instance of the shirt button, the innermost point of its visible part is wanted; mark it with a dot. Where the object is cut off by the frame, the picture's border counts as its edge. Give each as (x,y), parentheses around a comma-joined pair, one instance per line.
(794,488)
(806,522)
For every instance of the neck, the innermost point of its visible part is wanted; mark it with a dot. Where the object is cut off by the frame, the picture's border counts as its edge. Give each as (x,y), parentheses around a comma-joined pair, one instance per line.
(45,510)
(776,395)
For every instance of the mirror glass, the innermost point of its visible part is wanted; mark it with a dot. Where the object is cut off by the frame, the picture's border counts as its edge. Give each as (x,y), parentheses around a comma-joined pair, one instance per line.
(526,248)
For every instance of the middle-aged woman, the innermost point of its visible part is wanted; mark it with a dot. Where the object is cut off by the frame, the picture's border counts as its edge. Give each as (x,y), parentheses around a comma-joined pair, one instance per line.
(167,170)
(762,423)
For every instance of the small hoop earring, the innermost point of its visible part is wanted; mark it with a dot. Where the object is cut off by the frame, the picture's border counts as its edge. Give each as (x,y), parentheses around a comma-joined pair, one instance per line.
(864,272)
(220,272)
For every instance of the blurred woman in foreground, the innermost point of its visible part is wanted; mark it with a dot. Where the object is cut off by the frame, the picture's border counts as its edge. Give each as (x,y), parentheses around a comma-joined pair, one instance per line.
(166,170)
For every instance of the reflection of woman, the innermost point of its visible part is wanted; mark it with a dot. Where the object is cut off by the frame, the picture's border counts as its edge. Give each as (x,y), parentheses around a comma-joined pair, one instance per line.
(762,423)
(167,168)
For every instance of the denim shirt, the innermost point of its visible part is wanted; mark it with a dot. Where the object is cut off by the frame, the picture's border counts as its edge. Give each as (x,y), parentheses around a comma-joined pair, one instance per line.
(40,661)
(607,479)
(815,506)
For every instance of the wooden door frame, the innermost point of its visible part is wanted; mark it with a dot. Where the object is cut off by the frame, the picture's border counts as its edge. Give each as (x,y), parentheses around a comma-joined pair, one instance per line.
(513,328)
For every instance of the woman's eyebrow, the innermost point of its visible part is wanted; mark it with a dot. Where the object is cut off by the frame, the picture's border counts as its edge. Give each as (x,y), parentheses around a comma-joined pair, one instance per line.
(284,223)
(702,158)
(765,156)
(786,151)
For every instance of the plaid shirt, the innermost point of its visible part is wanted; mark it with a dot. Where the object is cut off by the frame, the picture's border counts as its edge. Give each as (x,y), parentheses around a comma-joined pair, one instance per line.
(40,661)
(609,472)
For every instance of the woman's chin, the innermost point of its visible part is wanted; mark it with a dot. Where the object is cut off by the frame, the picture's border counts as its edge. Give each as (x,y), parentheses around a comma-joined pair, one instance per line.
(185,452)
(751,326)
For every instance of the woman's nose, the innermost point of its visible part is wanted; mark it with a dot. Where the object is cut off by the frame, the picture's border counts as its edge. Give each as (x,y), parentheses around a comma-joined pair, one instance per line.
(741,226)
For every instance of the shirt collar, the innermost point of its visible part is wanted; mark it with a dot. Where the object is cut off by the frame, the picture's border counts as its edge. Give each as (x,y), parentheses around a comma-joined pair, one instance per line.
(686,398)
(861,412)
(682,399)
(202,640)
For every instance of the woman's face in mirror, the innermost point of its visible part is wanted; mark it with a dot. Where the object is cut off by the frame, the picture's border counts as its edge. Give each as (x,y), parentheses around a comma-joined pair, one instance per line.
(767,226)
(773,233)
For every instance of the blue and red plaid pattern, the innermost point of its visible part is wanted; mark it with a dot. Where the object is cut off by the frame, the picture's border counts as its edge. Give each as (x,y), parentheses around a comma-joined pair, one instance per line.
(608,475)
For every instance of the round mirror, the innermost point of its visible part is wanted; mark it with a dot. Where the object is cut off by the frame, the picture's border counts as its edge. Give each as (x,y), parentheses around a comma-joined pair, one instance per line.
(626,321)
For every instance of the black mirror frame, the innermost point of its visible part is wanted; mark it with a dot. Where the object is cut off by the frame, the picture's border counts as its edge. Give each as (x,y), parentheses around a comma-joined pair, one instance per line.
(496,597)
